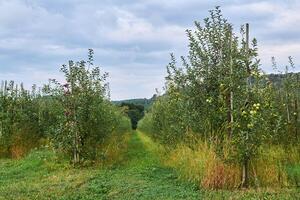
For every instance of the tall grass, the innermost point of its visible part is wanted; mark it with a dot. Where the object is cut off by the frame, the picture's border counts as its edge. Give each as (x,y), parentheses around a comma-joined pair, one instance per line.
(199,163)
(202,166)
(113,151)
(276,166)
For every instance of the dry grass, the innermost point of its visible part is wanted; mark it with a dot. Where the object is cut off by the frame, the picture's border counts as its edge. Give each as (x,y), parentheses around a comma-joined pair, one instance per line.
(274,167)
(22,143)
(270,169)
(113,151)
(201,165)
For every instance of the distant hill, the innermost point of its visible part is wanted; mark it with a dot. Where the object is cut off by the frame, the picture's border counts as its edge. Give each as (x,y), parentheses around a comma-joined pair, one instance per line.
(146,103)
(135,108)
(278,79)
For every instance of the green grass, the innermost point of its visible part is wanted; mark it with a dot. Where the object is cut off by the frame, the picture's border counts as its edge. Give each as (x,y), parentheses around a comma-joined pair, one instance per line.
(44,175)
(293,172)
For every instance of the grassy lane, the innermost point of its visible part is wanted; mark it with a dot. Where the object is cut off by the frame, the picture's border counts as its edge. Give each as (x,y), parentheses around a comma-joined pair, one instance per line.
(42,175)
(142,178)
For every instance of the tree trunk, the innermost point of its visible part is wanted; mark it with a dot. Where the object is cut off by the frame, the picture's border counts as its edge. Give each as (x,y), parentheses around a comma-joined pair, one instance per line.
(296,119)
(245,170)
(297,107)
(287,107)
(229,98)
(229,102)
(245,173)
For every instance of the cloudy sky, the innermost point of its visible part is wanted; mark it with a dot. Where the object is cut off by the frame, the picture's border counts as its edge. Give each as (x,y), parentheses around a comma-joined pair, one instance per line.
(132,39)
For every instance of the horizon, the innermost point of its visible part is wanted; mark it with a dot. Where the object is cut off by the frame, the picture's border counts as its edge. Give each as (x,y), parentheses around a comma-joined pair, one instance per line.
(132,40)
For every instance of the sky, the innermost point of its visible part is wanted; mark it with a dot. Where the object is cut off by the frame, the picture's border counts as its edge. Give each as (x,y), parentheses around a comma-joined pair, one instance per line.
(132,39)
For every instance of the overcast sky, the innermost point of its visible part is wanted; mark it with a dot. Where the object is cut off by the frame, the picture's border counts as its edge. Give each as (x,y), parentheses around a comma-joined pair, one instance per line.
(132,39)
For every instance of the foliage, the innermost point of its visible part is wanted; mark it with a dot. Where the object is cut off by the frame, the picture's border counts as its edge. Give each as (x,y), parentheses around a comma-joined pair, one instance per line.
(134,111)
(88,118)
(222,123)
(146,103)
(24,118)
(220,95)
(76,116)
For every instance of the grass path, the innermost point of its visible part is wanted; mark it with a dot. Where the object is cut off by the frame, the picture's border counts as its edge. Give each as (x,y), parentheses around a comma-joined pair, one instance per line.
(141,178)
(40,176)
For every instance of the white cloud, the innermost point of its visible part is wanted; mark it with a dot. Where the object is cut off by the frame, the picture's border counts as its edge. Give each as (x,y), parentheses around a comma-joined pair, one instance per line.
(281,52)
(131,39)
